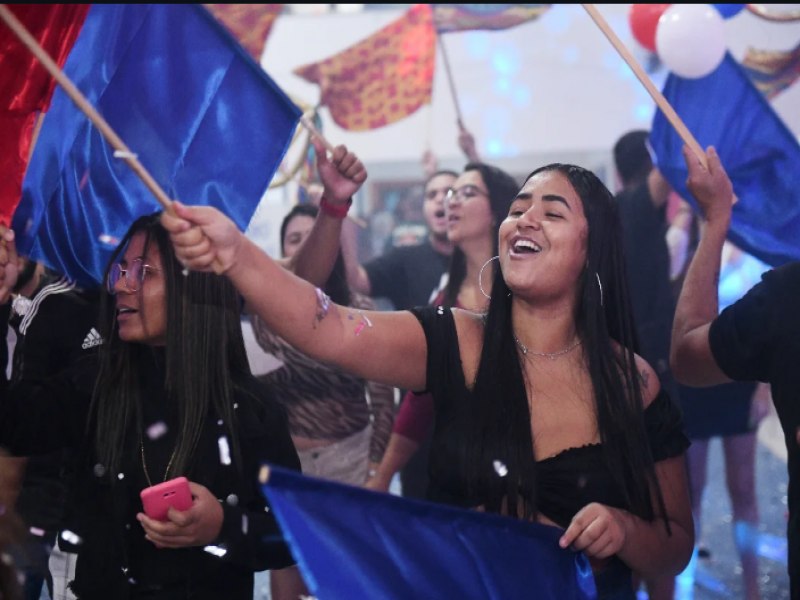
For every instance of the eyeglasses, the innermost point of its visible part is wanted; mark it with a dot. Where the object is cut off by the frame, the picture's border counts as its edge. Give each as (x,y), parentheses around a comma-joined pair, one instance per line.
(134,275)
(465,193)
(432,194)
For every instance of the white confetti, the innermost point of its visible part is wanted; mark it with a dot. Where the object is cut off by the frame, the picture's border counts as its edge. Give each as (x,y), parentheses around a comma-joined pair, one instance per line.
(99,470)
(106,238)
(232,499)
(245,523)
(37,531)
(121,476)
(217,551)
(71,537)
(156,430)
(224,450)
(500,468)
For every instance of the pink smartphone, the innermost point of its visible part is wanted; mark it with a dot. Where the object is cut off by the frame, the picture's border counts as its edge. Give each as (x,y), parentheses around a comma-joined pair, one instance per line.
(158,498)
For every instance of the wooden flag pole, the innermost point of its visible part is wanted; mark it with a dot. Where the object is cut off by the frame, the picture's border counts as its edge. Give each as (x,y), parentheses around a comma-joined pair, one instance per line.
(450,77)
(657,96)
(120,149)
(307,123)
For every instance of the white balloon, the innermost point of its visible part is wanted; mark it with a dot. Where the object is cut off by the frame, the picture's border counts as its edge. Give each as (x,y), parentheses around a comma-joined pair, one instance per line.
(690,39)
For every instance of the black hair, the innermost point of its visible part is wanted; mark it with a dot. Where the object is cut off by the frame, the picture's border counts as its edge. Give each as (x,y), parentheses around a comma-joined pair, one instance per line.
(632,158)
(502,189)
(499,416)
(204,357)
(336,286)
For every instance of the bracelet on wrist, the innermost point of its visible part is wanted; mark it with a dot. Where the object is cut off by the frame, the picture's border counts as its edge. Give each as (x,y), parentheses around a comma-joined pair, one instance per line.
(337,211)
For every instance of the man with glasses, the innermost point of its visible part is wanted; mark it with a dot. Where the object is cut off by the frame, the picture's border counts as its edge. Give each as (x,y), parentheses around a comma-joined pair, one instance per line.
(407,275)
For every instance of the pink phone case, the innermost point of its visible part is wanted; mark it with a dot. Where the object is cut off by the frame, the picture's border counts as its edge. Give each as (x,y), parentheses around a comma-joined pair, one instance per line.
(158,498)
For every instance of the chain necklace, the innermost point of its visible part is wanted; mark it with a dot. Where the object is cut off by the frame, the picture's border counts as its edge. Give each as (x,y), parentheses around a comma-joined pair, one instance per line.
(549,355)
(144,463)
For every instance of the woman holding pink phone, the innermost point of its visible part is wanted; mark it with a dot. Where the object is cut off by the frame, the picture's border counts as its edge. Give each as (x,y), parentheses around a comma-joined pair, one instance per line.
(169,397)
(172,396)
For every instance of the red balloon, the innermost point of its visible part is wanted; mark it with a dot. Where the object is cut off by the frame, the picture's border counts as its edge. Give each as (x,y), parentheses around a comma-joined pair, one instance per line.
(644,20)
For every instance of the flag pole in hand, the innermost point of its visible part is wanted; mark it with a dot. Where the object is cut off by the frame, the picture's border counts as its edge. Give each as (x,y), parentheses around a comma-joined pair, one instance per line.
(657,96)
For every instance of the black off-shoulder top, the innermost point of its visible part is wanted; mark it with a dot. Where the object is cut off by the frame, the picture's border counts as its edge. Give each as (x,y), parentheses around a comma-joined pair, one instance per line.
(567,481)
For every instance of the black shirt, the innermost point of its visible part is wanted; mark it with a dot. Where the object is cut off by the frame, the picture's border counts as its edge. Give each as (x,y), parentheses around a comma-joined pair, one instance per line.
(407,275)
(758,339)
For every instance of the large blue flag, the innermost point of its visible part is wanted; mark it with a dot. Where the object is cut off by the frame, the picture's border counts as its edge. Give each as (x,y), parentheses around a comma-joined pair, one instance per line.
(354,543)
(205,120)
(760,154)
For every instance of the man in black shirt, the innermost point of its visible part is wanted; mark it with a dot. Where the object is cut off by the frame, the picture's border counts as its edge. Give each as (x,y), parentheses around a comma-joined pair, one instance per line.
(407,275)
(756,338)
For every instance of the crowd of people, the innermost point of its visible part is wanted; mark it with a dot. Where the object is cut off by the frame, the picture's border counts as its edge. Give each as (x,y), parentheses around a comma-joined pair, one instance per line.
(546,324)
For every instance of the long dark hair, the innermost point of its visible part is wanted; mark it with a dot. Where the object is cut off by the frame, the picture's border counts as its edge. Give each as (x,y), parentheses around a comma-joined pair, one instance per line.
(499,412)
(203,358)
(502,189)
(336,286)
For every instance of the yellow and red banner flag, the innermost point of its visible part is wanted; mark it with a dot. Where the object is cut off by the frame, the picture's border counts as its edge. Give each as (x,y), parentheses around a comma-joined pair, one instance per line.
(382,79)
(250,24)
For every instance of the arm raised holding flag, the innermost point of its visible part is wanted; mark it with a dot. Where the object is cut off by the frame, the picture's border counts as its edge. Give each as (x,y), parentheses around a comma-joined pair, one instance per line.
(754,339)
(558,332)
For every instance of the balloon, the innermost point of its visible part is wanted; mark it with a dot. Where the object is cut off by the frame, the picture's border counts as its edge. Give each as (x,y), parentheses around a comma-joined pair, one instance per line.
(690,39)
(643,19)
(729,10)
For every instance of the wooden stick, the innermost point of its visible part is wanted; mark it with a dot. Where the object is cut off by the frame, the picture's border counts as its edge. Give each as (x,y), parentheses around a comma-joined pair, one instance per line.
(450,77)
(657,96)
(121,150)
(37,128)
(316,133)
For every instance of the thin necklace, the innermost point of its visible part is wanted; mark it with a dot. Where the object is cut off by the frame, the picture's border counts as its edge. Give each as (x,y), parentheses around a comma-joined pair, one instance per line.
(144,463)
(550,355)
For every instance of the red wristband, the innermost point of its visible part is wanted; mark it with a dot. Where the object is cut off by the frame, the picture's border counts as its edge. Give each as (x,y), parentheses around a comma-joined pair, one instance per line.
(337,211)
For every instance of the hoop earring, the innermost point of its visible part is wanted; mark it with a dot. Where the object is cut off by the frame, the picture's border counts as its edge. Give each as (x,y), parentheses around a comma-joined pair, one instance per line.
(480,276)
(600,286)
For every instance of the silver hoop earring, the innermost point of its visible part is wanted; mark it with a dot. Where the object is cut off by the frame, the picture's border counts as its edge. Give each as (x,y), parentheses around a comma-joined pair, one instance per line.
(600,286)
(480,276)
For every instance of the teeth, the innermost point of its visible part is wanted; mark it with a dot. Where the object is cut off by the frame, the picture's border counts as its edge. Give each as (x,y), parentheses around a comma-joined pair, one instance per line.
(520,244)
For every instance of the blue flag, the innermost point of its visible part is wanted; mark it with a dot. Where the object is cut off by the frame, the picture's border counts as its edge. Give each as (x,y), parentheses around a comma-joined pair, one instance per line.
(350,543)
(760,154)
(204,119)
